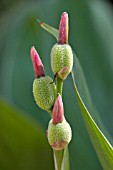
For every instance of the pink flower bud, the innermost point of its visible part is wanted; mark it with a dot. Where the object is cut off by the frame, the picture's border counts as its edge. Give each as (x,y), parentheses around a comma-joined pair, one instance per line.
(63,29)
(37,64)
(58,111)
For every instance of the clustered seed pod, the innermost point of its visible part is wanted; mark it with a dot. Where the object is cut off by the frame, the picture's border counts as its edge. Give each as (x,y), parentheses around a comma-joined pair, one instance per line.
(61,57)
(61,53)
(43,90)
(59,135)
(59,131)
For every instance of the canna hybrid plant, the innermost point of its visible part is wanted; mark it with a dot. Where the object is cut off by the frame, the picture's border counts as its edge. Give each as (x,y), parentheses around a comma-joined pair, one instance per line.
(48,96)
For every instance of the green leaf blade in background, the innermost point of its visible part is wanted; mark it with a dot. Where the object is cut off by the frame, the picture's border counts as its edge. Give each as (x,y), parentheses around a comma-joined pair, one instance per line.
(22,142)
(103,148)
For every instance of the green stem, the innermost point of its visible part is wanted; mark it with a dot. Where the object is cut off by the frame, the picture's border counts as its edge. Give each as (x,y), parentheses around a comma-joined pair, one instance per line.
(58,157)
(59,85)
(61,158)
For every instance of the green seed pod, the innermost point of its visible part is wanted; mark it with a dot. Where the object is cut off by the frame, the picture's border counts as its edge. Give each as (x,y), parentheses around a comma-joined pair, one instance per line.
(61,58)
(44,92)
(59,135)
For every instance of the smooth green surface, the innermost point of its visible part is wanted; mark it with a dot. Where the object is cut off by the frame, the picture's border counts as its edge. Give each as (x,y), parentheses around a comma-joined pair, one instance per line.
(58,157)
(66,160)
(59,85)
(23,144)
(102,146)
(90,36)
(48,28)
(61,159)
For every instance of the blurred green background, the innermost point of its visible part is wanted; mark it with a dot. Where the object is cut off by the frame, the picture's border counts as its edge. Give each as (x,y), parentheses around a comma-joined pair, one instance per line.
(23,144)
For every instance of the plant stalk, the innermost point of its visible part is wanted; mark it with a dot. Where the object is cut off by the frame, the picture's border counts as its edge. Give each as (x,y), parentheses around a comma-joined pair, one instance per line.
(59,85)
(61,158)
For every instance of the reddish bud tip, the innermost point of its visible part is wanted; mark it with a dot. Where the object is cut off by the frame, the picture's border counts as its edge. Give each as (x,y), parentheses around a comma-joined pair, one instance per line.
(63,29)
(37,64)
(58,111)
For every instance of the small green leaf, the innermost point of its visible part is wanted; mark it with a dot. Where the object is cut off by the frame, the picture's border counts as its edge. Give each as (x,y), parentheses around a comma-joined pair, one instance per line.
(49,29)
(102,146)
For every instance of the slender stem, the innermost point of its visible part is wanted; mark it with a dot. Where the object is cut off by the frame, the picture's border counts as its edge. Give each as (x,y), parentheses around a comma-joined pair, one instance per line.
(61,158)
(59,85)
(65,160)
(58,157)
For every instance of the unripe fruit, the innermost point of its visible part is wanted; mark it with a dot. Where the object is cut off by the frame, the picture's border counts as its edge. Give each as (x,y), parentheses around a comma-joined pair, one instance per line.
(44,92)
(59,135)
(61,57)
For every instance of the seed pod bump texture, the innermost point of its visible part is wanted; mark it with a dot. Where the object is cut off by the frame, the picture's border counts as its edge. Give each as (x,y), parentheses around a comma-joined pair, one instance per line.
(59,135)
(61,56)
(44,92)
